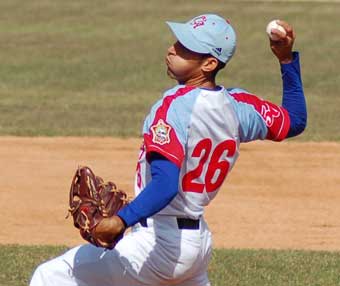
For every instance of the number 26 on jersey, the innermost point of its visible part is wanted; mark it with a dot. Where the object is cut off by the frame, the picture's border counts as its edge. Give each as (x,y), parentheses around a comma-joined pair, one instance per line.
(209,174)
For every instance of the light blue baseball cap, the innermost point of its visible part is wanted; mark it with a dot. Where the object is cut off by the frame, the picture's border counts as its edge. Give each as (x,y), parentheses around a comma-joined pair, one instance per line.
(207,34)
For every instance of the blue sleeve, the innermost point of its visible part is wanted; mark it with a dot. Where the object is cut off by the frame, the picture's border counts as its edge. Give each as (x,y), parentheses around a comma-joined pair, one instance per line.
(162,188)
(293,99)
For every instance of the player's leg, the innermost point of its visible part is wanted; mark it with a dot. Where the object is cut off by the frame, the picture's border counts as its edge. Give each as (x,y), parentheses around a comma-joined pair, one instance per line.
(161,252)
(87,265)
(126,265)
(81,266)
(146,256)
(200,280)
(199,276)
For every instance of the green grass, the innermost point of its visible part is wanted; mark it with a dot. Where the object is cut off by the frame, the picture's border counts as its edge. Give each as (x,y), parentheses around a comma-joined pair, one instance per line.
(18,262)
(227,268)
(274,268)
(87,67)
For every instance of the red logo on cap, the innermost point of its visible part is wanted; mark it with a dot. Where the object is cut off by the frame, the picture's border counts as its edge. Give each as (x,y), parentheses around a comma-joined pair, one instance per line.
(199,21)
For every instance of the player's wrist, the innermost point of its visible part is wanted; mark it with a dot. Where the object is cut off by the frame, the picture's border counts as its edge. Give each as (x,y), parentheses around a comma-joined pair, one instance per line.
(286,60)
(108,229)
(294,61)
(123,221)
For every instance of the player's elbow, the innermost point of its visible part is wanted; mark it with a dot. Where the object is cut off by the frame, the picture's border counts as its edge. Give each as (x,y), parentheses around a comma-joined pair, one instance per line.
(165,177)
(170,187)
(298,127)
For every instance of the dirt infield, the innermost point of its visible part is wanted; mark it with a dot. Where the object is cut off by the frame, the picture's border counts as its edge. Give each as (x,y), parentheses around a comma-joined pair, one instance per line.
(279,196)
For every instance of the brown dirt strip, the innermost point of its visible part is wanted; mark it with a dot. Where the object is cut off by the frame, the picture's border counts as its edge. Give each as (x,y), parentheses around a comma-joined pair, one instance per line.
(279,195)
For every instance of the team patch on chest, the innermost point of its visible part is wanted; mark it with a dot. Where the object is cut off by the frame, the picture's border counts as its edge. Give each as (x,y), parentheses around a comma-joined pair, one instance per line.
(161,132)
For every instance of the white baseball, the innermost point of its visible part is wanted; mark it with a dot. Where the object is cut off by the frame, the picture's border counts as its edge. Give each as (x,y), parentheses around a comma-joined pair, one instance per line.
(274,25)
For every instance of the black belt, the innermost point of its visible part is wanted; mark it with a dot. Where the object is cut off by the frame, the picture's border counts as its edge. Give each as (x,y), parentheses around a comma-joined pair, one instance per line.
(183,223)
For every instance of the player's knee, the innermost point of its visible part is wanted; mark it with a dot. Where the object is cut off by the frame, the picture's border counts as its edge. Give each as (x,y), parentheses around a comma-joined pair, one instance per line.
(41,275)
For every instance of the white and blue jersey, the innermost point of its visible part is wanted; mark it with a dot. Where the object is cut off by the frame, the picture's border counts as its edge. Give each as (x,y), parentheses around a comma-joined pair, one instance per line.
(200,131)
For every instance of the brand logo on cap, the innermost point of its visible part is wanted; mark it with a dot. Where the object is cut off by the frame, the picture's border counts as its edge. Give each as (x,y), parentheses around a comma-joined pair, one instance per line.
(217,51)
(199,21)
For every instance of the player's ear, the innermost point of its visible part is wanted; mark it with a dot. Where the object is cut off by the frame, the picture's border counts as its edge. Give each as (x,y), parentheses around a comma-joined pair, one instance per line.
(209,64)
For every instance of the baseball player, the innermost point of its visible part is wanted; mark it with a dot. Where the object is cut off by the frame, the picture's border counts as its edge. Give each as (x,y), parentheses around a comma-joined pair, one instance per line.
(191,141)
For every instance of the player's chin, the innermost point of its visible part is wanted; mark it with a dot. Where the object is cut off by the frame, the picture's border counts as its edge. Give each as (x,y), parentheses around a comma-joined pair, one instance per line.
(171,74)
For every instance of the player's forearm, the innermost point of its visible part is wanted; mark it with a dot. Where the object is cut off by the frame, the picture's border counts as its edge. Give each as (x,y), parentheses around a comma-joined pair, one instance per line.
(293,99)
(156,195)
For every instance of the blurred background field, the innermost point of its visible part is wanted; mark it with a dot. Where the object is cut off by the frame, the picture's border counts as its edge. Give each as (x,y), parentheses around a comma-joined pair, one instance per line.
(93,68)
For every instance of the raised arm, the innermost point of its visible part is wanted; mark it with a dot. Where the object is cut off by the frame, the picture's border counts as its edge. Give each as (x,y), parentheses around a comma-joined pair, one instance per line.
(271,121)
(293,99)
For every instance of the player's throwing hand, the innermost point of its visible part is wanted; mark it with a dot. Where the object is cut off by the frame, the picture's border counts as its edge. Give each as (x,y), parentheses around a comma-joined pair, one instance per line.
(282,48)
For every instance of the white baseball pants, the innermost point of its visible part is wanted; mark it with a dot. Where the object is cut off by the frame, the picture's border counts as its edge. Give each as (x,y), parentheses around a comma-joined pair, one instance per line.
(159,254)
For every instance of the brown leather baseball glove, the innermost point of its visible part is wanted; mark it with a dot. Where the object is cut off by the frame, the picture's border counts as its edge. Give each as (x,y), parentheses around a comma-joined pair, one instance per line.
(91,200)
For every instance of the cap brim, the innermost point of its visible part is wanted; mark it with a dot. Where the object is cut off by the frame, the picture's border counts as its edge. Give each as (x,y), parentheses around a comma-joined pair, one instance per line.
(186,38)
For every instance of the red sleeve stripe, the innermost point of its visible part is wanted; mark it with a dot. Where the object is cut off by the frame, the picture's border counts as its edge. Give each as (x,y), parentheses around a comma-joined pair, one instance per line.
(166,143)
(171,157)
(276,117)
(162,111)
(284,129)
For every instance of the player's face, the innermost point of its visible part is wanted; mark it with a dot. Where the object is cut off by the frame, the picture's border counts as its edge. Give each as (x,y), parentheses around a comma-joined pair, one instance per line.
(183,64)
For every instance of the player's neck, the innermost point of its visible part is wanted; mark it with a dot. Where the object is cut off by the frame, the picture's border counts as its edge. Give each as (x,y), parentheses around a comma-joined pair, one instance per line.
(200,82)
